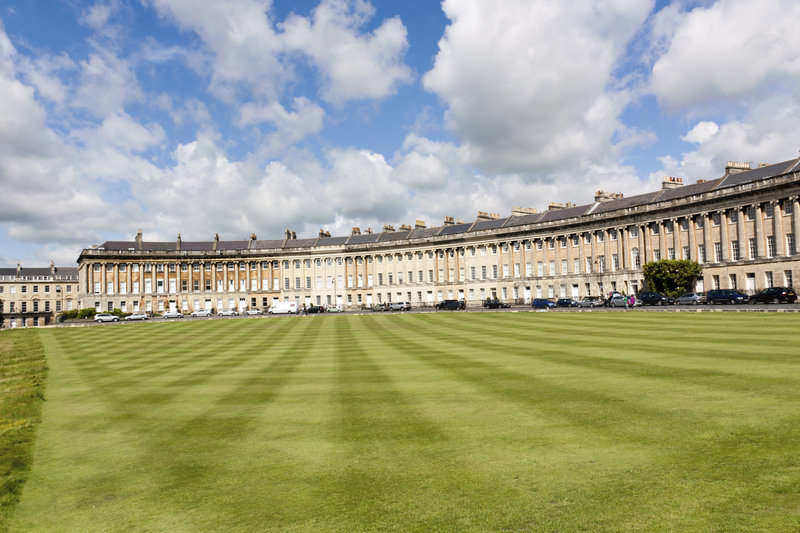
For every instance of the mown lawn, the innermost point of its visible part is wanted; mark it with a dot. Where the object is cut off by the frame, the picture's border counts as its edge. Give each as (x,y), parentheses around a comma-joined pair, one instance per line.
(431,422)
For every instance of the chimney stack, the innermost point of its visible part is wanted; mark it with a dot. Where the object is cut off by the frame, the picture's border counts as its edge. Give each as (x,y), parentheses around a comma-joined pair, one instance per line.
(449,221)
(419,224)
(405,227)
(323,234)
(605,196)
(734,167)
(388,227)
(52,268)
(485,215)
(252,243)
(522,211)
(554,206)
(216,242)
(19,269)
(294,235)
(369,231)
(178,243)
(355,231)
(139,244)
(671,182)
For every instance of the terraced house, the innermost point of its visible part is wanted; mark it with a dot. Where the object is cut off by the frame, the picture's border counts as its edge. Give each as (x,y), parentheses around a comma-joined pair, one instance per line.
(34,296)
(741,227)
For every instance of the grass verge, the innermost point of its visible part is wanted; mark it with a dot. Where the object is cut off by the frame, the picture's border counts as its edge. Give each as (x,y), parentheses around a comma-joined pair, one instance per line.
(22,381)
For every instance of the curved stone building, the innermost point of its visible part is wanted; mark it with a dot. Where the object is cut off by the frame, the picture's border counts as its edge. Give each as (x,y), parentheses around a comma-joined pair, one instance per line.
(741,227)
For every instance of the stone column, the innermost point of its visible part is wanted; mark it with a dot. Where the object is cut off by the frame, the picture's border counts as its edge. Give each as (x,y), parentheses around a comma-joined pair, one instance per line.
(707,244)
(104,286)
(741,234)
(225,278)
(606,250)
(759,232)
(676,238)
(662,239)
(647,243)
(692,238)
(723,235)
(777,230)
(795,221)
(622,249)
(581,254)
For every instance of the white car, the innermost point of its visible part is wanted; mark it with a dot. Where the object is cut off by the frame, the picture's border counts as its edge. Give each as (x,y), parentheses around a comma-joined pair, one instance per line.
(172,314)
(105,317)
(201,313)
(280,308)
(333,309)
(254,311)
(136,316)
(227,312)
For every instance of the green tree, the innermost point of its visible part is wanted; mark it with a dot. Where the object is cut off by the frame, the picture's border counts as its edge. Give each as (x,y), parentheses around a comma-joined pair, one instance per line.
(672,277)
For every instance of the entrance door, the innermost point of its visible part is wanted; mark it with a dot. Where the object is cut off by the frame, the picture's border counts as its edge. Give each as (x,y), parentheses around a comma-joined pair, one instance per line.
(339,300)
(369,299)
(172,306)
(527,295)
(751,282)
(208,304)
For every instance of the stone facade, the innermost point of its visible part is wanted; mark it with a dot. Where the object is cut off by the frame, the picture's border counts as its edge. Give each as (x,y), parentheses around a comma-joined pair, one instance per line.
(35,296)
(741,227)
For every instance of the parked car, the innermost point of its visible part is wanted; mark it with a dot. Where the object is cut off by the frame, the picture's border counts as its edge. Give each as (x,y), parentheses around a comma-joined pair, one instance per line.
(227,312)
(542,303)
(725,296)
(451,305)
(253,312)
(494,303)
(691,298)
(136,316)
(379,307)
(566,302)
(314,309)
(105,317)
(399,306)
(617,300)
(654,298)
(775,295)
(591,301)
(333,309)
(201,313)
(172,314)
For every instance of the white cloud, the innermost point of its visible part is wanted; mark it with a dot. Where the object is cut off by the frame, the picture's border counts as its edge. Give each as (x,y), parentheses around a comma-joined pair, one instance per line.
(718,52)
(355,66)
(527,86)
(306,118)
(702,132)
(107,83)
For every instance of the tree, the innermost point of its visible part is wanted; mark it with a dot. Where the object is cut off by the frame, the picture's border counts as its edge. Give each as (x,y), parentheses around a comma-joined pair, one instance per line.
(672,277)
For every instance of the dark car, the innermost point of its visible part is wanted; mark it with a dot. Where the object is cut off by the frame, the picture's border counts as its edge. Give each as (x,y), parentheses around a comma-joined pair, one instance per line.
(315,309)
(725,296)
(494,303)
(542,303)
(451,305)
(775,295)
(654,298)
(566,302)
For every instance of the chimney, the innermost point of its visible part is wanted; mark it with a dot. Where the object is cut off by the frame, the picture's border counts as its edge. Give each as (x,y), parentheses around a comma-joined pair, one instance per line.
(294,235)
(671,182)
(19,269)
(701,180)
(178,243)
(522,211)
(405,227)
(604,196)
(388,227)
(139,244)
(216,242)
(355,231)
(762,165)
(323,234)
(252,243)
(419,224)
(734,167)
(369,231)
(449,221)
(484,215)
(52,268)
(287,234)
(554,206)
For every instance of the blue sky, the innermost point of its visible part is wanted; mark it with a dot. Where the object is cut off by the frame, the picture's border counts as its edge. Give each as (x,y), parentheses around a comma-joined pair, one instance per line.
(175,116)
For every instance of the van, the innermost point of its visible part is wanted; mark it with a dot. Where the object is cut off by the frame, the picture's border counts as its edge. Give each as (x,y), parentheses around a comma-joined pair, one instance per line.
(283,308)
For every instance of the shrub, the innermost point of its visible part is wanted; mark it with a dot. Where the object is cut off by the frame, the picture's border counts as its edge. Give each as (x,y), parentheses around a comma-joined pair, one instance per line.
(672,277)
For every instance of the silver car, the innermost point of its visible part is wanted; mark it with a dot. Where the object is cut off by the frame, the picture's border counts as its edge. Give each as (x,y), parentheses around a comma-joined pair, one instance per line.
(201,313)
(691,298)
(136,316)
(172,314)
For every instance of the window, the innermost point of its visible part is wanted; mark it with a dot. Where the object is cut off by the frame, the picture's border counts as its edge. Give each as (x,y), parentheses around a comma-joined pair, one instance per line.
(768,279)
(47,288)
(286,283)
(749,213)
(58,306)
(552,270)
(564,266)
(69,288)
(24,306)
(516,270)
(790,244)
(505,271)
(430,274)
(528,269)
(551,244)
(589,264)
(615,260)
(717,252)
(297,282)
(110,306)
(472,273)
(391,278)
(733,217)
(670,253)
(184,267)
(787,207)
(698,222)
(35,288)
(751,248)
(656,255)
(380,278)
(715,219)
(735,251)
(655,229)
(494,271)
(636,260)
(787,278)
(715,282)
(633,232)
(732,280)
(601,263)
(576,266)
(184,286)
(308,282)
(769,210)
(540,268)
(771,246)
(539,244)
(701,253)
